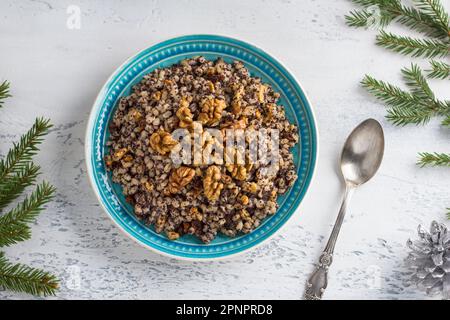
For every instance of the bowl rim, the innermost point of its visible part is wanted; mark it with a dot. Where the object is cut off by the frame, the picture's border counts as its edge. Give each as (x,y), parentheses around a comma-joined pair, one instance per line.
(90,127)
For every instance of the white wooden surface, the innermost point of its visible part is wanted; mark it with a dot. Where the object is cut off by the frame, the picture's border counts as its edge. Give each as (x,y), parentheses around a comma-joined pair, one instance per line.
(56,72)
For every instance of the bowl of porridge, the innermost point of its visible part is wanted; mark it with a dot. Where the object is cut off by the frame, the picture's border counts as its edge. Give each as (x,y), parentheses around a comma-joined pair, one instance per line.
(201,147)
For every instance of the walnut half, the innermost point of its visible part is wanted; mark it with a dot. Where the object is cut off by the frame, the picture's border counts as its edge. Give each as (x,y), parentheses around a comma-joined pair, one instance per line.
(180,178)
(211,183)
(162,142)
(212,109)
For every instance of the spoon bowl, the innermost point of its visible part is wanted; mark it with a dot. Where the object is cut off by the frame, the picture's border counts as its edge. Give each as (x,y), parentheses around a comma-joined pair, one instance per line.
(362,153)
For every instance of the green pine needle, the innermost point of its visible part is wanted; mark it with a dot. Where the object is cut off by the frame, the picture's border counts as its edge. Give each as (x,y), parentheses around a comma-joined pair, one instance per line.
(14,185)
(422,22)
(19,156)
(4,92)
(17,172)
(13,226)
(439,70)
(358,18)
(446,122)
(434,159)
(428,48)
(436,11)
(415,107)
(19,277)
(403,117)
(389,94)
(419,19)
(365,18)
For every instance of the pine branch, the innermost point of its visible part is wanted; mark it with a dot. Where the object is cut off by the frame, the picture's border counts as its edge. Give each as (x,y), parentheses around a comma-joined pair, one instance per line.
(415,107)
(4,92)
(389,94)
(420,21)
(439,70)
(22,152)
(366,18)
(417,82)
(428,48)
(434,159)
(19,277)
(401,116)
(13,186)
(386,11)
(436,11)
(13,226)
(446,122)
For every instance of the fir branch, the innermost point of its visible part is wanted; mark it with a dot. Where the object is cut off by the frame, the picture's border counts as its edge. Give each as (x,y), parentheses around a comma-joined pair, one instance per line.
(428,48)
(19,277)
(358,18)
(13,224)
(366,18)
(389,94)
(434,159)
(393,10)
(439,70)
(417,82)
(420,21)
(22,152)
(4,92)
(436,11)
(415,107)
(13,186)
(401,116)
(446,122)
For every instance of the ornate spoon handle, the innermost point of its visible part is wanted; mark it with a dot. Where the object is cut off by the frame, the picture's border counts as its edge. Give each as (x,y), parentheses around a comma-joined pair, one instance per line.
(318,281)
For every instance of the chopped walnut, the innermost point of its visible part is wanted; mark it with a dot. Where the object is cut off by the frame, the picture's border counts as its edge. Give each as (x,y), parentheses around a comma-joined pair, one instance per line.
(195,214)
(270,111)
(156,95)
(211,183)
(211,86)
(184,113)
(134,115)
(180,178)
(128,158)
(119,154)
(261,93)
(212,109)
(226,179)
(236,104)
(162,142)
(237,124)
(172,235)
(237,171)
(148,186)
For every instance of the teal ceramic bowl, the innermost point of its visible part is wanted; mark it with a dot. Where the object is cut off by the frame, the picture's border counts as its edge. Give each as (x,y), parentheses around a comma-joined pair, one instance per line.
(164,54)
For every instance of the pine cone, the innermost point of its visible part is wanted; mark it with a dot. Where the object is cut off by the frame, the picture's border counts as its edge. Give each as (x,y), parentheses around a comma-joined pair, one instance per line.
(430,260)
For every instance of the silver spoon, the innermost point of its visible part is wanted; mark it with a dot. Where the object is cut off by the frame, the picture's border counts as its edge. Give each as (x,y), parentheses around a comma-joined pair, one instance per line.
(361,157)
